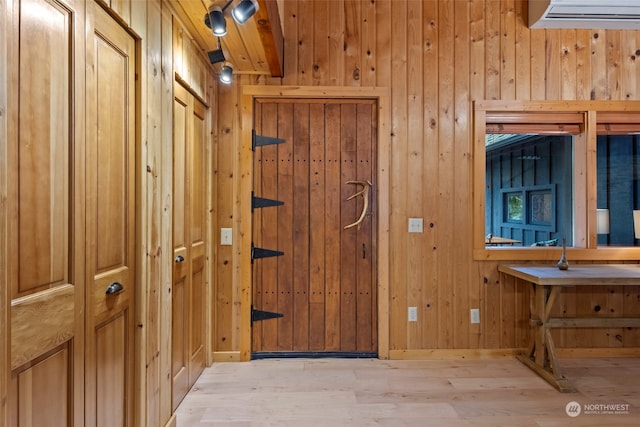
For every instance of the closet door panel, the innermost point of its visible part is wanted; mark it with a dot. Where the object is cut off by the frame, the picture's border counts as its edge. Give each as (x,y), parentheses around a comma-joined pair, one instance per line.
(44,280)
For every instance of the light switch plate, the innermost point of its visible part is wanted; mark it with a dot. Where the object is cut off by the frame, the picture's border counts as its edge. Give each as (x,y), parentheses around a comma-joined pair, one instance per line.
(226,236)
(415,225)
(413,314)
(475,315)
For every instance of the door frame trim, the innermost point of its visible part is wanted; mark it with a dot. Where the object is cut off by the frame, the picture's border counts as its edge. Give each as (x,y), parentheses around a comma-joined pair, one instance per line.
(242,272)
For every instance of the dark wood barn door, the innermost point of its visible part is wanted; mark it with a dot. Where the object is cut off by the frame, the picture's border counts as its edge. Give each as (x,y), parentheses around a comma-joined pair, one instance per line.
(324,283)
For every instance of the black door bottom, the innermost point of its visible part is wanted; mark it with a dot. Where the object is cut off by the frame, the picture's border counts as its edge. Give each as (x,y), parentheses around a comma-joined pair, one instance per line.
(312,355)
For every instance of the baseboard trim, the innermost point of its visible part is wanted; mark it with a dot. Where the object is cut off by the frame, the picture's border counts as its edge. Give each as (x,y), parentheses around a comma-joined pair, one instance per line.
(313,355)
(585,353)
(226,356)
(172,422)
(444,354)
(568,353)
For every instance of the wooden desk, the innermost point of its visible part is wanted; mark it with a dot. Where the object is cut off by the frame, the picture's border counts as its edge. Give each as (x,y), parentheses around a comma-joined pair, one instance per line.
(497,240)
(547,282)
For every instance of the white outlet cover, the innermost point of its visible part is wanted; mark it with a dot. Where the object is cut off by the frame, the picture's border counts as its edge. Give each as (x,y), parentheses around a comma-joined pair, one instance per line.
(475,315)
(415,225)
(413,314)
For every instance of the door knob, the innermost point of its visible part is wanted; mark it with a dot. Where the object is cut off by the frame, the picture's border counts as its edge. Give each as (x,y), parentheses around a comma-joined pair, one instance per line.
(114,288)
(179,258)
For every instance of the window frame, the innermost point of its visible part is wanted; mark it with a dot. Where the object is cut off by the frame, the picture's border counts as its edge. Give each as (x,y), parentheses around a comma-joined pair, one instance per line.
(523,113)
(526,199)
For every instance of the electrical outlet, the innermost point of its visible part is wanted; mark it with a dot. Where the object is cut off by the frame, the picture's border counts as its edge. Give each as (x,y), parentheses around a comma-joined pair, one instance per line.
(475,315)
(226,236)
(415,225)
(413,314)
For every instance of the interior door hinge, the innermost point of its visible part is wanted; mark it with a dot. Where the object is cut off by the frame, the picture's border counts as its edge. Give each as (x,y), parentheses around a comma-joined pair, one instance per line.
(257,315)
(257,253)
(261,141)
(260,202)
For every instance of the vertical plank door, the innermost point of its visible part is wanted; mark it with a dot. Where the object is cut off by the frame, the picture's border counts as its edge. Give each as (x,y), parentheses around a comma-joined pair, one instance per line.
(325,284)
(110,222)
(189,243)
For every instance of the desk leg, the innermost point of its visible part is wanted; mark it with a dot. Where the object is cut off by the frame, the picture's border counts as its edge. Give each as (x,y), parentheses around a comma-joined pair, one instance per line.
(541,356)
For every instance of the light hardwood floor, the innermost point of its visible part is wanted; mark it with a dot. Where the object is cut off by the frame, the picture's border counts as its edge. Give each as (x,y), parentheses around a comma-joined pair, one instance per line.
(367,392)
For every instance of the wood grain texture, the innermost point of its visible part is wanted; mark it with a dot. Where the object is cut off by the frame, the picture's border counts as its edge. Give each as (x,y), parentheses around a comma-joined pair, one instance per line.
(190,64)
(323,284)
(111,204)
(152,117)
(157,393)
(224,332)
(441,57)
(31,338)
(584,275)
(190,270)
(4,290)
(254,47)
(111,375)
(43,392)
(445,390)
(270,30)
(41,154)
(317,225)
(44,146)
(332,235)
(327,124)
(301,230)
(596,64)
(122,8)
(154,302)
(546,285)
(399,139)
(242,274)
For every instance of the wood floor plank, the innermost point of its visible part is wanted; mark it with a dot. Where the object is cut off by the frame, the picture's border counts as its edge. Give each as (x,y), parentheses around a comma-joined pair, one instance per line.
(371,392)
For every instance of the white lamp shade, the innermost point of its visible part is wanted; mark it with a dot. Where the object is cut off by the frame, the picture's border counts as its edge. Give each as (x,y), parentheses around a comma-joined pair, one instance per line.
(603,221)
(636,224)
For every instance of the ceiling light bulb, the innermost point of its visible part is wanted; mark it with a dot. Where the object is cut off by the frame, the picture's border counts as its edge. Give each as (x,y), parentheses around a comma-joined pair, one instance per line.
(226,73)
(245,10)
(216,21)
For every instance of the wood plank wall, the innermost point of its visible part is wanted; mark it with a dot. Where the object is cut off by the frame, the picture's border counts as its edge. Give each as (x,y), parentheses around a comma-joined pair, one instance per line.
(152,23)
(438,56)
(169,53)
(5,299)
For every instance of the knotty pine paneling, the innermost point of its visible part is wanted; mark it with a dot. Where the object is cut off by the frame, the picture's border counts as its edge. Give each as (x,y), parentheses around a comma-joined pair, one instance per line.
(190,65)
(151,23)
(5,298)
(437,57)
(226,297)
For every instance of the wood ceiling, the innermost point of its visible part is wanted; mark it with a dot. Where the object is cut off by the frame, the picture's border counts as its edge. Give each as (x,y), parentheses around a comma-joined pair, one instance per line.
(256,47)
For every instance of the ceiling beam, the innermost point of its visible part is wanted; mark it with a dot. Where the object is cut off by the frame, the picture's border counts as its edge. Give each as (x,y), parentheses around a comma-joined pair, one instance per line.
(269,27)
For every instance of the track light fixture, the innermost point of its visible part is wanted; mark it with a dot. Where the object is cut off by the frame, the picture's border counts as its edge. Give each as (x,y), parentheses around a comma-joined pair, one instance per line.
(245,10)
(214,19)
(226,73)
(217,55)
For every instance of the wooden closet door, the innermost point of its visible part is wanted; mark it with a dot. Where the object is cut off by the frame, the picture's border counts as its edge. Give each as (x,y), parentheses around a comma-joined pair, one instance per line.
(189,243)
(110,222)
(43,180)
(325,284)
